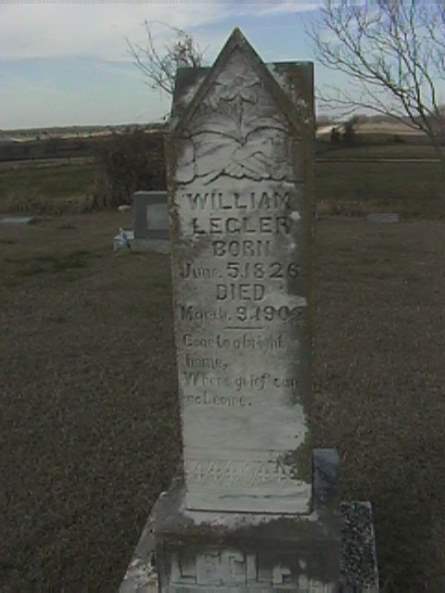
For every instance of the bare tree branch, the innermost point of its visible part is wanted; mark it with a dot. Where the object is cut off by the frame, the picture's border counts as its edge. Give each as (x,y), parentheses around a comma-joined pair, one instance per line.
(393,52)
(159,67)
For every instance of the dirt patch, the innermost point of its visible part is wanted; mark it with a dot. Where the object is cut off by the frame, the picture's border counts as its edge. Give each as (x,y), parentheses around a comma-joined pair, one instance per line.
(89,428)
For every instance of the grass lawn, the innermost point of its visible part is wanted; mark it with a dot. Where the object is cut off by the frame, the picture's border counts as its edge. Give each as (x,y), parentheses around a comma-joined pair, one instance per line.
(89,427)
(413,189)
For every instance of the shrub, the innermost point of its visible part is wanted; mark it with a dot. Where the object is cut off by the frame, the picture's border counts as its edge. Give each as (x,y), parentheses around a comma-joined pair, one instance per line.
(128,162)
(335,136)
(349,134)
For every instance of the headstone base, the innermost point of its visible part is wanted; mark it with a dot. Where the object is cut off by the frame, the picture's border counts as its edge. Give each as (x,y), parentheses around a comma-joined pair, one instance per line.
(327,551)
(156,245)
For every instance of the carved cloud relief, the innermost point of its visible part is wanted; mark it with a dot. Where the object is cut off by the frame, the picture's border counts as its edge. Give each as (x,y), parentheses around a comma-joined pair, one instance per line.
(236,132)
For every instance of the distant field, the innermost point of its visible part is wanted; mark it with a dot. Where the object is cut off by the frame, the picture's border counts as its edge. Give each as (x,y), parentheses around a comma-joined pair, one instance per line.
(31,184)
(70,131)
(384,151)
(40,163)
(413,189)
(377,132)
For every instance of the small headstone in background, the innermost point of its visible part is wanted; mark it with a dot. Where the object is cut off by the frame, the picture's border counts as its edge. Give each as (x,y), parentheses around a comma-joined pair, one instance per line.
(17,220)
(151,222)
(150,215)
(383,217)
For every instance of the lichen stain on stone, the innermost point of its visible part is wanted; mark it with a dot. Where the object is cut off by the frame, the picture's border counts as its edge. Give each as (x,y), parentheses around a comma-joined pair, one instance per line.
(299,461)
(141,577)
(175,225)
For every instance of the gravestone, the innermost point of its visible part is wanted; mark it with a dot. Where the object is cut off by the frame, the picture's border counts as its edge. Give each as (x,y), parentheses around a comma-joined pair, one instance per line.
(241,212)
(17,220)
(150,224)
(150,215)
(255,508)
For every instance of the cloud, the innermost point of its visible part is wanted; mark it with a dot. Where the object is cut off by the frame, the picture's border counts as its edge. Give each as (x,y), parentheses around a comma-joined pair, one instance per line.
(48,30)
(288,6)
(98,30)
(67,61)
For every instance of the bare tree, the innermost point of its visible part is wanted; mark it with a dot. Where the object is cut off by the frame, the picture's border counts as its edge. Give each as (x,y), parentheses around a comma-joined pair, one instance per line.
(393,52)
(159,65)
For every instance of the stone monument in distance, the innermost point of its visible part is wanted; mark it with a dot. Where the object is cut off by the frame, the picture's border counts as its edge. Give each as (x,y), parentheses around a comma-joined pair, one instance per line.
(254,510)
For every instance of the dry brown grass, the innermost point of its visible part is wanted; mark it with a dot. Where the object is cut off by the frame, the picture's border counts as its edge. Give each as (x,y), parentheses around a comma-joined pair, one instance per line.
(88,415)
(379,385)
(87,410)
(415,189)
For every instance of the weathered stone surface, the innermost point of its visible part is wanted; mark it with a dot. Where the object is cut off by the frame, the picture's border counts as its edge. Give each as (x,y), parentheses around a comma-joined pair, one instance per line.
(244,552)
(325,471)
(150,245)
(251,553)
(359,566)
(240,210)
(141,575)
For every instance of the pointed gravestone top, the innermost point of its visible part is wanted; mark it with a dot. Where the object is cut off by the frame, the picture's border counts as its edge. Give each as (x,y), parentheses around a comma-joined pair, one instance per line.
(258,71)
(239,173)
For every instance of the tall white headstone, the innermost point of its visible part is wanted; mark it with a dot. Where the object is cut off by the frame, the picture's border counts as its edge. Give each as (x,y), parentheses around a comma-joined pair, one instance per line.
(240,209)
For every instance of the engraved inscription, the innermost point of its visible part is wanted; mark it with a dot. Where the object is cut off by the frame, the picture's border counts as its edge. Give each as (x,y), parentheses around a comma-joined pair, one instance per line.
(245,341)
(241,226)
(250,382)
(240,292)
(205,399)
(270,313)
(242,269)
(191,313)
(235,201)
(245,248)
(246,473)
(220,568)
(198,272)
(193,362)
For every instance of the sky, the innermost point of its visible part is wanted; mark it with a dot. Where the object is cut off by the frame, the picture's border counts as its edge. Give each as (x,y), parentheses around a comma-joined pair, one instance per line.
(67,63)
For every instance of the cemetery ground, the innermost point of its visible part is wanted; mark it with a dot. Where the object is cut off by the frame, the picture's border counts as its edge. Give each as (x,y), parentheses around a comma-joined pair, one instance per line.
(88,416)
